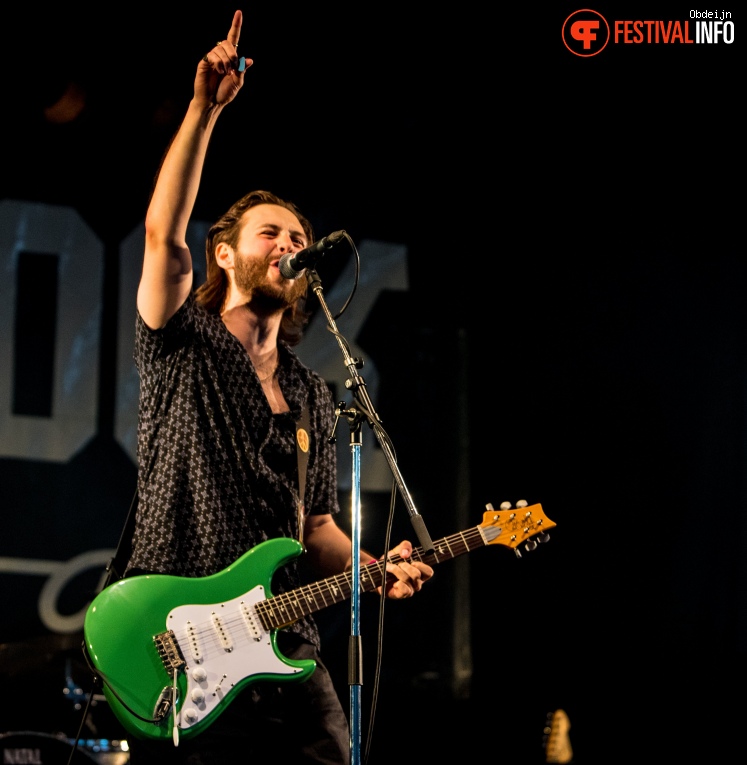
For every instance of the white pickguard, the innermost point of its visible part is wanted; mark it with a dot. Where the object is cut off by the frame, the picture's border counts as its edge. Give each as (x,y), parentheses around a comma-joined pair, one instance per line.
(222,643)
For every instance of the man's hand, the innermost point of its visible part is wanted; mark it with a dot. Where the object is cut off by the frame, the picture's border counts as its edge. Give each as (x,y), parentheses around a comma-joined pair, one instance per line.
(218,78)
(405,577)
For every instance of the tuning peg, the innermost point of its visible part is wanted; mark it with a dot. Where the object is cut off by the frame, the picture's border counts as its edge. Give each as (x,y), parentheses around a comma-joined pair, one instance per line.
(517,552)
(505,505)
(530,545)
(522,503)
(543,537)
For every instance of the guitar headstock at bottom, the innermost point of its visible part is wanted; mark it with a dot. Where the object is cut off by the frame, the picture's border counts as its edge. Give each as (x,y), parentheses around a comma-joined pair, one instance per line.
(557,742)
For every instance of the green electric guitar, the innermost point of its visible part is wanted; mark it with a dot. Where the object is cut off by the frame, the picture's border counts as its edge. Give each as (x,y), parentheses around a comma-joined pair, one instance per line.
(172,652)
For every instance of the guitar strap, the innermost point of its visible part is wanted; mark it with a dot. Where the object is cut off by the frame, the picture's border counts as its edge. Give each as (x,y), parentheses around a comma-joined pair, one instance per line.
(302,447)
(115,568)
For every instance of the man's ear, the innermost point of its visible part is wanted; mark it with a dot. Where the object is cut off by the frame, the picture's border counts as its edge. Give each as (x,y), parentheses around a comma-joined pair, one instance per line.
(224,255)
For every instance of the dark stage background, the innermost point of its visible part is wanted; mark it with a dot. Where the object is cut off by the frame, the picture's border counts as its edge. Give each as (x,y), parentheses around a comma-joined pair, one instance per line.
(572,334)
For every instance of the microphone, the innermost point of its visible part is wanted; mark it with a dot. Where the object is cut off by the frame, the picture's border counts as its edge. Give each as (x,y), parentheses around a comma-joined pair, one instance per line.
(292,264)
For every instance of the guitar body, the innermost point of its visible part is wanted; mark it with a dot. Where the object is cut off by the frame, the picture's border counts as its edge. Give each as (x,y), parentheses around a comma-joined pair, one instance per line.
(220,645)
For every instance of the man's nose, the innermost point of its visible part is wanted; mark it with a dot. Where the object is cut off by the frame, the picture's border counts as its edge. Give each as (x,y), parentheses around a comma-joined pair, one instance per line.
(285,243)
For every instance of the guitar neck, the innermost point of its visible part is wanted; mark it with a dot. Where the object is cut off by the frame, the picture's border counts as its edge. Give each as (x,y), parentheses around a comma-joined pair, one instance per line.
(285,608)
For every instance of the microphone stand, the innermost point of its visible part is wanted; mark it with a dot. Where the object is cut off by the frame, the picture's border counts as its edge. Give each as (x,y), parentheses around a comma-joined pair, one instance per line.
(355,417)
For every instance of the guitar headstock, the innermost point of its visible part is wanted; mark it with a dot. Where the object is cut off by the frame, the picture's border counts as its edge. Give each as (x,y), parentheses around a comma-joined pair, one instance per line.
(511,526)
(557,742)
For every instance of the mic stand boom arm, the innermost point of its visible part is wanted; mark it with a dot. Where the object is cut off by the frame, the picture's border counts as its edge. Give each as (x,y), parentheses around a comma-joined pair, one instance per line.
(357,386)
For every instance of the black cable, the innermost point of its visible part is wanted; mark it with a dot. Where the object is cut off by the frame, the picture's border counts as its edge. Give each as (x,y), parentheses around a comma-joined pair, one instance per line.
(74,746)
(380,633)
(102,677)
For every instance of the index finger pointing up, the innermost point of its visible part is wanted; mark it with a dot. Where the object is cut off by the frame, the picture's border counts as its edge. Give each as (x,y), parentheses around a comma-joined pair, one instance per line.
(235,31)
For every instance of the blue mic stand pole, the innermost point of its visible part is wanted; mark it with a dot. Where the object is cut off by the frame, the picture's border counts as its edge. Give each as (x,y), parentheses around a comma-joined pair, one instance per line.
(355,417)
(355,663)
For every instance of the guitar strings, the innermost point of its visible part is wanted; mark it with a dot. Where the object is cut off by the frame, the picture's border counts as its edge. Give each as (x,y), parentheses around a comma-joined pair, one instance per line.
(231,626)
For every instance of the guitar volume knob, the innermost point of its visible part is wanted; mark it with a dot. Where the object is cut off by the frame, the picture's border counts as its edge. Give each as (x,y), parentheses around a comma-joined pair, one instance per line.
(197,695)
(190,715)
(199,675)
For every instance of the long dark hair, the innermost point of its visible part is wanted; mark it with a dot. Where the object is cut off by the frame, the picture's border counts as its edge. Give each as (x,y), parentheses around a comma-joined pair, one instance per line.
(213,291)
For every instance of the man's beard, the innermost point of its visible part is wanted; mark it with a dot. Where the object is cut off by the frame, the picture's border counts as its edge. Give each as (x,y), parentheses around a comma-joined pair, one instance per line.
(250,275)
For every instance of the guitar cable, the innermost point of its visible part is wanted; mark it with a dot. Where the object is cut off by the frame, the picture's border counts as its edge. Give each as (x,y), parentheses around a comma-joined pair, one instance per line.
(100,677)
(114,571)
(74,747)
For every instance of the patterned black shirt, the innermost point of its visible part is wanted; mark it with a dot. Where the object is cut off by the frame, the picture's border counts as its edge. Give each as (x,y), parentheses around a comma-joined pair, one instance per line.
(218,472)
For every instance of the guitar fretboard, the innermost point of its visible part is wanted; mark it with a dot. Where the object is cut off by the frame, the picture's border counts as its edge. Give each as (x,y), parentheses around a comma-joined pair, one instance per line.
(285,608)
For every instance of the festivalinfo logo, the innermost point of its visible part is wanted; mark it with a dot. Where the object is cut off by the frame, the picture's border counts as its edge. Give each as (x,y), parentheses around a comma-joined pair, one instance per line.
(587,33)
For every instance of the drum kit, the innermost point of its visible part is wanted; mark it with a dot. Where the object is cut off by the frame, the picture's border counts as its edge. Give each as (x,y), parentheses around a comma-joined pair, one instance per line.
(72,723)
(34,748)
